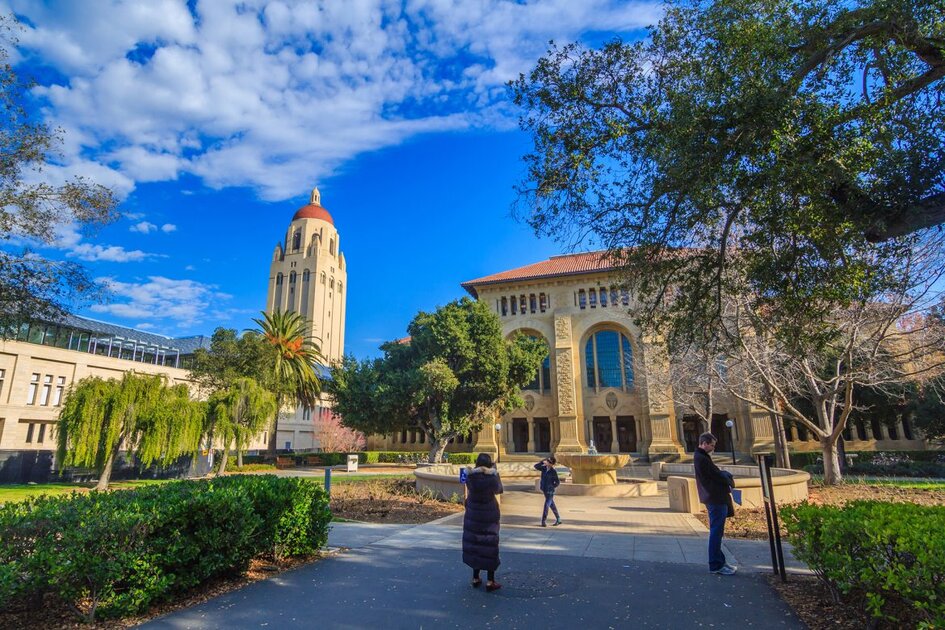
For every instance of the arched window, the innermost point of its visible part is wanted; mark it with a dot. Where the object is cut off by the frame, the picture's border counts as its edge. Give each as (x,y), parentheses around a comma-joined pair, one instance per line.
(542,380)
(305,275)
(297,240)
(505,306)
(608,360)
(291,277)
(331,246)
(603,296)
(279,279)
(323,277)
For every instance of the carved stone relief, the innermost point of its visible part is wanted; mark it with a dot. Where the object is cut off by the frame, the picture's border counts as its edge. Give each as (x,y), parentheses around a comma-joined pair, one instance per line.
(562,331)
(565,382)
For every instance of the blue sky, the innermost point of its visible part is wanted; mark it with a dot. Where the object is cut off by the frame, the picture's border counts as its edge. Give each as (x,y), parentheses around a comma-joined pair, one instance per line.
(213,121)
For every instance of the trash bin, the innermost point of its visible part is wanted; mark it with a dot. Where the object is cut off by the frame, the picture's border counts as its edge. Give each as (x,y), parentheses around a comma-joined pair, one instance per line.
(352,463)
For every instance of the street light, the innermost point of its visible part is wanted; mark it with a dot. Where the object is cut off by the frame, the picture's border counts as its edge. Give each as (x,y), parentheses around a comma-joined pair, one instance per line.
(498,437)
(731,436)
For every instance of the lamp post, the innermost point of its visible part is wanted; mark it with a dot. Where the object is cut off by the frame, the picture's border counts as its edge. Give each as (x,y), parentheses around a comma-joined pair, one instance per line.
(498,440)
(731,436)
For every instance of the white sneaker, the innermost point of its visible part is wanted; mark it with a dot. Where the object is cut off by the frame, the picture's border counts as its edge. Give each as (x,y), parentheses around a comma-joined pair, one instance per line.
(725,570)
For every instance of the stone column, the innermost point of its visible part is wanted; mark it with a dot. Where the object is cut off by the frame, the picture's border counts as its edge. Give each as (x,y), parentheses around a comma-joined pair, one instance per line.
(532,442)
(664,442)
(760,432)
(487,440)
(883,431)
(614,443)
(868,429)
(900,430)
(565,387)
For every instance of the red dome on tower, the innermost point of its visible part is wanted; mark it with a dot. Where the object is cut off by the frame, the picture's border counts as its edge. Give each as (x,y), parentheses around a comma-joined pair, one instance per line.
(313,210)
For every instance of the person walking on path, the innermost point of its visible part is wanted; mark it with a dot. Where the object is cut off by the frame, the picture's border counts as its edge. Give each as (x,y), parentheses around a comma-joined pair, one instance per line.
(549,483)
(715,487)
(481,521)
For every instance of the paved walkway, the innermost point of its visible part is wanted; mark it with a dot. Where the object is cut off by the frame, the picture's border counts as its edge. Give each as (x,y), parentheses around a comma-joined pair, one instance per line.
(612,563)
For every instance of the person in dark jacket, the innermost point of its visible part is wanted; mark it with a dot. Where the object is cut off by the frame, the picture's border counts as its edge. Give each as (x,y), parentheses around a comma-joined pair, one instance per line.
(715,487)
(549,483)
(481,521)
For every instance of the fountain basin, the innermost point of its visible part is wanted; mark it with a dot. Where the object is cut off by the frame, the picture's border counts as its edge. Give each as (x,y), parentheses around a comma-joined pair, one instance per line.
(593,470)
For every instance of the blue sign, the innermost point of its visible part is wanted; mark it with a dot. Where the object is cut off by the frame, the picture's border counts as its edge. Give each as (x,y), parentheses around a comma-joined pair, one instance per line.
(462,475)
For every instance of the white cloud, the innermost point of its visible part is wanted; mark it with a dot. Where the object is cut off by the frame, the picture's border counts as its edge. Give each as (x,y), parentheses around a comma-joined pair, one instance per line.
(145,326)
(144,227)
(167,228)
(276,95)
(184,302)
(189,268)
(69,238)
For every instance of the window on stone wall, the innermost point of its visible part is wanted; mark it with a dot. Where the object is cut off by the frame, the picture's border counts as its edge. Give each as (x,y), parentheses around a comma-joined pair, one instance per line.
(522,308)
(582,299)
(3,375)
(603,297)
(297,241)
(29,432)
(532,303)
(542,302)
(608,360)
(593,297)
(514,303)
(331,246)
(504,306)
(47,388)
(613,296)
(34,385)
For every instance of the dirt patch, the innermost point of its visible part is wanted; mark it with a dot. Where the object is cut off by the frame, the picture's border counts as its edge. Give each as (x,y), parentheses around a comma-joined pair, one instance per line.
(811,602)
(387,501)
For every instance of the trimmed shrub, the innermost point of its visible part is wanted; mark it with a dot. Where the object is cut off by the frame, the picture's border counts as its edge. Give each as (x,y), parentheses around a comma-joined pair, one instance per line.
(250,468)
(889,557)
(461,458)
(120,551)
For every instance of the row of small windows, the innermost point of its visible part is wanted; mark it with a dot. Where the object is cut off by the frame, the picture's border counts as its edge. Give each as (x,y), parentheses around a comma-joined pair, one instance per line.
(603,297)
(415,436)
(36,432)
(46,391)
(522,304)
(102,344)
(306,275)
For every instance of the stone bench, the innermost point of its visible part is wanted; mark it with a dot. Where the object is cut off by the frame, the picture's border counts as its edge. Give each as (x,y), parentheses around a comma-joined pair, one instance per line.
(788,488)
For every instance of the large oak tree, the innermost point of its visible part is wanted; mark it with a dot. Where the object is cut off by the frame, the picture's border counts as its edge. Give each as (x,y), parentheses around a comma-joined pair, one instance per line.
(807,135)
(454,373)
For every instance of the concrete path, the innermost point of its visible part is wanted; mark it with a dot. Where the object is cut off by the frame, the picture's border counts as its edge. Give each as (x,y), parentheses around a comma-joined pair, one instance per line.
(612,563)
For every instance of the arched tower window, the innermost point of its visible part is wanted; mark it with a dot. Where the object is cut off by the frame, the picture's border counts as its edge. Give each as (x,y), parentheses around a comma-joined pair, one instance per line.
(297,241)
(331,246)
(608,360)
(305,276)
(323,277)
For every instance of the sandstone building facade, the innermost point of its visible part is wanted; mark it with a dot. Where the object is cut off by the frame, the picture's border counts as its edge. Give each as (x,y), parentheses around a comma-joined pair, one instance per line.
(605,381)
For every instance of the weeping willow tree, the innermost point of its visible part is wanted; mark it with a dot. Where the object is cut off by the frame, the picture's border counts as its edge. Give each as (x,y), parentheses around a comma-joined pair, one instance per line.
(237,413)
(139,412)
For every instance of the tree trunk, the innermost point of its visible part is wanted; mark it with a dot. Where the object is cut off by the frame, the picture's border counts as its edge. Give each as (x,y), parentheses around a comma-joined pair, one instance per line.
(239,458)
(437,448)
(106,471)
(224,453)
(273,436)
(832,473)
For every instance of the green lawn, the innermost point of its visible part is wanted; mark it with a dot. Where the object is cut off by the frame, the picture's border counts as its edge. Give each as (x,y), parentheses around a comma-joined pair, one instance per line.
(22,491)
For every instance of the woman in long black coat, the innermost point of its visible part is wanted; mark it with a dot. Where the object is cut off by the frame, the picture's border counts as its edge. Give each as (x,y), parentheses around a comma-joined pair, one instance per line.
(481,522)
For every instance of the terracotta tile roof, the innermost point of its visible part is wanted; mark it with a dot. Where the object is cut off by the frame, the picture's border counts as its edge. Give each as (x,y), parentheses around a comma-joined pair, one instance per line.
(565,265)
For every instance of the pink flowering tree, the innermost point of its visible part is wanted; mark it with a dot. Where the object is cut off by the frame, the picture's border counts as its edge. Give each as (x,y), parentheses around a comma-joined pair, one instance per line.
(333,437)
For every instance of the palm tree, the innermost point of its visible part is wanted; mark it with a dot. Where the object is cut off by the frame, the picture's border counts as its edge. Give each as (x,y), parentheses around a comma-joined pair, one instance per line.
(238,413)
(295,360)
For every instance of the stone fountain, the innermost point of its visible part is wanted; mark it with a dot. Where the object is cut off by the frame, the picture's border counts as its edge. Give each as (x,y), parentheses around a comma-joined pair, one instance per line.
(595,474)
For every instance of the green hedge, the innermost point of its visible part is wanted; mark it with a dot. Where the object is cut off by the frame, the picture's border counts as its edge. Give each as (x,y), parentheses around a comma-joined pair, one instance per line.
(115,553)
(807,458)
(461,458)
(888,557)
